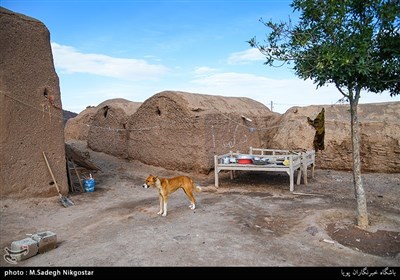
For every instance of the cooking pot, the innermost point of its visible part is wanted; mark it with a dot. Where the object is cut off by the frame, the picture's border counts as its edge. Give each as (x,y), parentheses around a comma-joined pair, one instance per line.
(245,159)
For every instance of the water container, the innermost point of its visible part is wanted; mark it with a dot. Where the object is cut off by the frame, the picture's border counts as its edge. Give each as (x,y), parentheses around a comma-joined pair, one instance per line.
(46,240)
(23,249)
(89,184)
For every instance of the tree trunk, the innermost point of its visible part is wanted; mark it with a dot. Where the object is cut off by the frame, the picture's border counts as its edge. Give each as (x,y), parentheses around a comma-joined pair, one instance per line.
(362,215)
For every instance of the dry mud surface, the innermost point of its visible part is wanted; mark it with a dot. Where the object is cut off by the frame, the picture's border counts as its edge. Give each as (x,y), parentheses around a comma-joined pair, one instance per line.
(252,220)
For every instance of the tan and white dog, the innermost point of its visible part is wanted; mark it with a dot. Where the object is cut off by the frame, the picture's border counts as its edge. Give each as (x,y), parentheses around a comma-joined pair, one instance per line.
(167,186)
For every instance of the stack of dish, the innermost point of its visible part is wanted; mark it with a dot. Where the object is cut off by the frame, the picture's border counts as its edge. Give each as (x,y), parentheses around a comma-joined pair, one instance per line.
(245,159)
(260,160)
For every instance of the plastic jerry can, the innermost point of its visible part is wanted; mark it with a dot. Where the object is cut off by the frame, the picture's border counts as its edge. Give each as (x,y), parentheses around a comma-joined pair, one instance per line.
(46,240)
(24,249)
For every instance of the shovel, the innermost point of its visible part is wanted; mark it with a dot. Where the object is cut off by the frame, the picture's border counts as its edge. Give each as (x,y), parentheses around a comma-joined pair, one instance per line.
(65,201)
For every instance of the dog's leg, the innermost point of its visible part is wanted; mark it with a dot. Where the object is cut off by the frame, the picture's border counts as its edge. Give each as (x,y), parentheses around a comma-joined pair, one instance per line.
(189,193)
(192,205)
(161,204)
(165,205)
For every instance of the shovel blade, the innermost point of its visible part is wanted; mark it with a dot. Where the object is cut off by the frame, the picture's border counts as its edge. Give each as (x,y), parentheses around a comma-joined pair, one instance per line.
(65,201)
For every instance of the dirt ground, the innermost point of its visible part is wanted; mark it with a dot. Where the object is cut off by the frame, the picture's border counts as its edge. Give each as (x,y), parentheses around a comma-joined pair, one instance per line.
(252,220)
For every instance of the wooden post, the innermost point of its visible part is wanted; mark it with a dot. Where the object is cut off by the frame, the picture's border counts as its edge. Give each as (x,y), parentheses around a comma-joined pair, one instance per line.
(216,170)
(69,177)
(291,182)
(77,175)
(299,176)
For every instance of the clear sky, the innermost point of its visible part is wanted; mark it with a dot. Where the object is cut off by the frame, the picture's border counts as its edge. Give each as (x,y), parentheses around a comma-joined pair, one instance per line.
(134,49)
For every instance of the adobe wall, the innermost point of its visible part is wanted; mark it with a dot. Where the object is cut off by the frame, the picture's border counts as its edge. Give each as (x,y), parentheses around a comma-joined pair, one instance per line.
(379,135)
(31,115)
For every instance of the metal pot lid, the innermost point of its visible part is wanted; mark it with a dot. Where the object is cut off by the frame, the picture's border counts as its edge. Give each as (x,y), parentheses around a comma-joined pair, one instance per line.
(245,157)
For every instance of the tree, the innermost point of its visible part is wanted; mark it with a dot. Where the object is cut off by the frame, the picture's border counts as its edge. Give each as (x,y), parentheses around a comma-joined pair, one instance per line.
(353,44)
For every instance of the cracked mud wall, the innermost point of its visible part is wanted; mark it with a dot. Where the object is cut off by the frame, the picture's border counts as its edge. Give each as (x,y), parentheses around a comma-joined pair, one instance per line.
(183,131)
(31,111)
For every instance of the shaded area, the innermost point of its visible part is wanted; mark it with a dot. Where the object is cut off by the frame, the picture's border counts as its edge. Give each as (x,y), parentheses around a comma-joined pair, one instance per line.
(319,124)
(380,243)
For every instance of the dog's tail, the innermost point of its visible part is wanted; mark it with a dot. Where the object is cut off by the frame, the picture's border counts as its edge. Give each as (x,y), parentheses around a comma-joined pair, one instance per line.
(197,188)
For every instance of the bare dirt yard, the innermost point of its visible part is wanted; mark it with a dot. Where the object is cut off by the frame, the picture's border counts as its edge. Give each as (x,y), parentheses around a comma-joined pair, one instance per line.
(252,220)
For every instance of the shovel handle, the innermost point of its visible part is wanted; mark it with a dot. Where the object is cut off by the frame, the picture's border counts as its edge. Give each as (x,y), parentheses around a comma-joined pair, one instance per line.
(51,172)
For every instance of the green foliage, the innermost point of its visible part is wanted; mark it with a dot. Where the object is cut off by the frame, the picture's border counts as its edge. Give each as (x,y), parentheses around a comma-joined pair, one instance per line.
(354,44)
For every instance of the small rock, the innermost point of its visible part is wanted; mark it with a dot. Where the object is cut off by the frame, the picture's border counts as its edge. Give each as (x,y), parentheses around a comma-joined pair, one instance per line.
(312,230)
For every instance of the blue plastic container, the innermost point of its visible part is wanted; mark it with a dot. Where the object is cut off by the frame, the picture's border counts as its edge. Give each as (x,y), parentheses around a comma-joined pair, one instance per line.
(89,184)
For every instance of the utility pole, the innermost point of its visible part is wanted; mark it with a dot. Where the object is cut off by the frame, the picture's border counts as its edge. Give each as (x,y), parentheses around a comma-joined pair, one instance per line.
(272,106)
